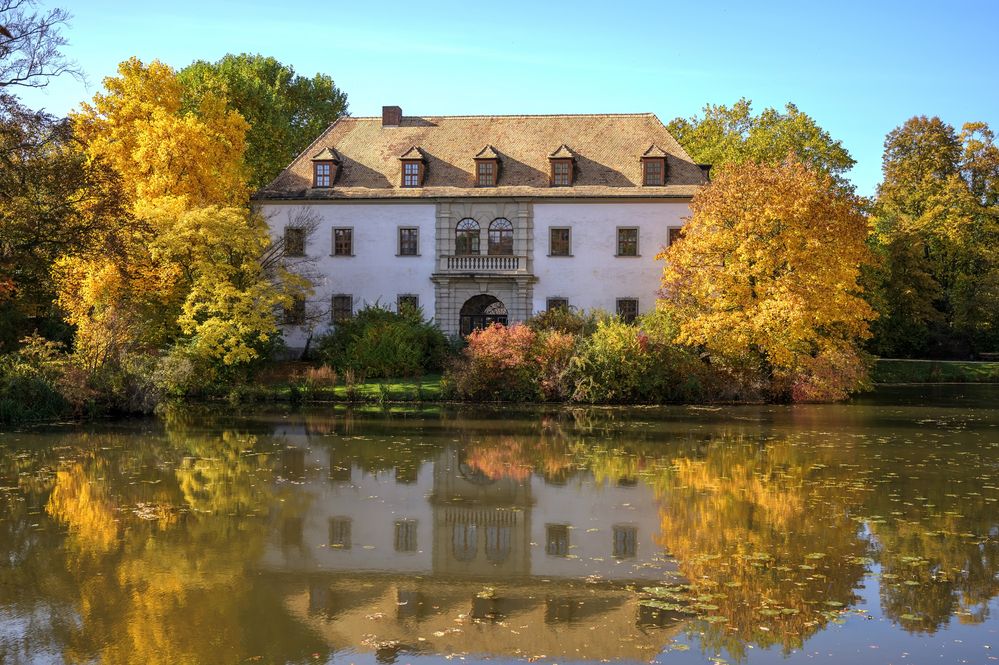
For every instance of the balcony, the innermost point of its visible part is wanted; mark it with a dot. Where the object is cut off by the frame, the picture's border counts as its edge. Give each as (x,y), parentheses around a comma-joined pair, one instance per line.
(482,264)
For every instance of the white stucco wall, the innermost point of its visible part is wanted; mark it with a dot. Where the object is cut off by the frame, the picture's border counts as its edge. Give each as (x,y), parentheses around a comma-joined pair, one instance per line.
(375,273)
(591,510)
(593,276)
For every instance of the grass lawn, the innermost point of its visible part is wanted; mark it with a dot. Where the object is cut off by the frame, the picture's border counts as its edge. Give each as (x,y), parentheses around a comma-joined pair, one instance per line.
(935,371)
(424,389)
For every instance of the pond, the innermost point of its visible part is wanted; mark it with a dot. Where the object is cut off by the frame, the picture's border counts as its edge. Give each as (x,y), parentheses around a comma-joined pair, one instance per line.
(865,532)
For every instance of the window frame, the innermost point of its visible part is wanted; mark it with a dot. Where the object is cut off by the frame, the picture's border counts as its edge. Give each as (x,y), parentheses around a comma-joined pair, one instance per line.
(295,315)
(294,229)
(333,248)
(504,235)
(554,176)
(669,235)
(417,178)
(481,166)
(638,236)
(399,243)
(661,164)
(568,240)
(561,543)
(406,535)
(334,319)
(345,543)
(562,299)
(323,180)
(624,318)
(475,238)
(407,296)
(630,533)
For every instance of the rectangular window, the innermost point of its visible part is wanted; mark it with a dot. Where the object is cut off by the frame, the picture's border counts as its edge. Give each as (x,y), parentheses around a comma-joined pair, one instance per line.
(409,242)
(627,242)
(557,539)
(411,174)
(557,303)
(295,315)
(486,172)
(323,172)
(340,532)
(625,542)
(561,173)
(343,308)
(407,301)
(405,536)
(343,242)
(291,532)
(559,242)
(674,234)
(294,241)
(653,171)
(627,309)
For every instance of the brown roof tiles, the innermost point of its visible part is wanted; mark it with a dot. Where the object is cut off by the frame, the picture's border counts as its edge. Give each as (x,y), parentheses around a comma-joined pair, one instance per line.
(607,151)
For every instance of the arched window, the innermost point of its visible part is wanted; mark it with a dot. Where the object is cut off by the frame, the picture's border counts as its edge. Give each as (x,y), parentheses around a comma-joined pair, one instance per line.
(464,541)
(501,237)
(466,237)
(498,543)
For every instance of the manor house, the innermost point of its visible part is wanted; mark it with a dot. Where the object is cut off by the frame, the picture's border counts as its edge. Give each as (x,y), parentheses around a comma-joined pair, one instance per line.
(481,218)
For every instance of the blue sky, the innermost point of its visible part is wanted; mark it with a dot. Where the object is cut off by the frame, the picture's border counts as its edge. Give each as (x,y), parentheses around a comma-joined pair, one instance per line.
(859,68)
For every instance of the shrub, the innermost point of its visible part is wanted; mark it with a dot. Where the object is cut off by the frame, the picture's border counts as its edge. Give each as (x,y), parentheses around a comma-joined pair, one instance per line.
(496,365)
(566,320)
(29,383)
(553,352)
(382,343)
(611,363)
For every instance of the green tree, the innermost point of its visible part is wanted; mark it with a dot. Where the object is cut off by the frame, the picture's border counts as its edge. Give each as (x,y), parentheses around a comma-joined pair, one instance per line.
(936,226)
(53,201)
(733,134)
(285,111)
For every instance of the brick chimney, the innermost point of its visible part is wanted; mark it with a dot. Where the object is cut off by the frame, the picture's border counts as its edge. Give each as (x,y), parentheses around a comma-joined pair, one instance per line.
(391,116)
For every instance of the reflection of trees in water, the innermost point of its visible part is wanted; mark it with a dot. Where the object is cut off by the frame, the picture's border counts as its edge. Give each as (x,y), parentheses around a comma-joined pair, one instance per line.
(938,532)
(760,537)
(768,531)
(773,529)
(157,535)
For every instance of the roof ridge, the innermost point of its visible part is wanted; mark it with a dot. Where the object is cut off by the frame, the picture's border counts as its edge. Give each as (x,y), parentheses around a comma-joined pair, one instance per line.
(517,115)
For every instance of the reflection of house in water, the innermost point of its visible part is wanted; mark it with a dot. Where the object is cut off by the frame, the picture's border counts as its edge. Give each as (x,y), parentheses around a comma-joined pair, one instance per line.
(442,539)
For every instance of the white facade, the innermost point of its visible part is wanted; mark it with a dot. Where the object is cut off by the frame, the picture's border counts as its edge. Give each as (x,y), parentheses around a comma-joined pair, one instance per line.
(593,276)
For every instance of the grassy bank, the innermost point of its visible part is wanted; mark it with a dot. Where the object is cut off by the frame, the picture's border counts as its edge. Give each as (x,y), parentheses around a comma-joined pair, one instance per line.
(423,389)
(934,371)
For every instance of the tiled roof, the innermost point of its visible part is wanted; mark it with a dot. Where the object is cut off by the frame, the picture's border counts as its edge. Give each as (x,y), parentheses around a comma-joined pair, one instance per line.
(607,151)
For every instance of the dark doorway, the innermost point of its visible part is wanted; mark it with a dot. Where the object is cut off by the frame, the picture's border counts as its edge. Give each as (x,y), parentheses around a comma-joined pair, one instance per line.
(480,311)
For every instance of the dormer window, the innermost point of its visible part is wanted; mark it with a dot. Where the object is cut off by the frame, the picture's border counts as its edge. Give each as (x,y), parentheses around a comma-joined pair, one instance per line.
(324,168)
(562,162)
(561,173)
(486,174)
(323,174)
(487,167)
(654,167)
(413,167)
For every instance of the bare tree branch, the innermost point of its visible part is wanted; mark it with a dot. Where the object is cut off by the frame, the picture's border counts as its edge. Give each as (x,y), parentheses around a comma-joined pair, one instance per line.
(31,43)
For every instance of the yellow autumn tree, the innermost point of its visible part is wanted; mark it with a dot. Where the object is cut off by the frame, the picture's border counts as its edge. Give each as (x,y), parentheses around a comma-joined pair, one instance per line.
(768,268)
(187,264)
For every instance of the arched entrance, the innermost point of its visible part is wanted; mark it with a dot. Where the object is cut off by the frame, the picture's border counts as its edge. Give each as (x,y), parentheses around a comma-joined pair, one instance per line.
(480,311)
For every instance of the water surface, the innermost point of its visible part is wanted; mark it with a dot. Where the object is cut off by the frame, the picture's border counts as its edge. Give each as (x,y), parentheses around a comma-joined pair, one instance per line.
(862,533)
